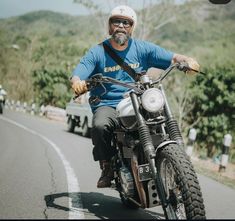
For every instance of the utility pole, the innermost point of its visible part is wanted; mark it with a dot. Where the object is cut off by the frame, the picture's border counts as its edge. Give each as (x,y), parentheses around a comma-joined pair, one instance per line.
(192,137)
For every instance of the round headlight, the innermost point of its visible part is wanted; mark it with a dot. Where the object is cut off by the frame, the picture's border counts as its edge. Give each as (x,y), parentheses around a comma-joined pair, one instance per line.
(152,100)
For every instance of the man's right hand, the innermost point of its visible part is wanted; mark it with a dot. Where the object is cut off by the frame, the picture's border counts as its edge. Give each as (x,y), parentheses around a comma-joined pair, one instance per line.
(78,86)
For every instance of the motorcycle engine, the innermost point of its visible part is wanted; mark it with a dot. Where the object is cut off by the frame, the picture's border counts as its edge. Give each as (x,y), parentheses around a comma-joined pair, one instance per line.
(127,181)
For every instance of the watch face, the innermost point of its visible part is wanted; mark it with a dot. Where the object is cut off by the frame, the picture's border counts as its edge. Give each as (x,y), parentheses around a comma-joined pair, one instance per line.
(219,1)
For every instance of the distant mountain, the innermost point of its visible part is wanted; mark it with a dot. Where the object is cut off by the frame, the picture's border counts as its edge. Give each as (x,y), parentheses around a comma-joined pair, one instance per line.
(194,23)
(56,41)
(40,22)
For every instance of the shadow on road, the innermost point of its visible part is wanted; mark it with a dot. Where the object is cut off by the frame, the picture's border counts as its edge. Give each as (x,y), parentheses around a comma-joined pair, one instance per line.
(79,133)
(101,206)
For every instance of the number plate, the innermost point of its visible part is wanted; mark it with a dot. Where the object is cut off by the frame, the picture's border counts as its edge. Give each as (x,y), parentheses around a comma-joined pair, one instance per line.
(144,172)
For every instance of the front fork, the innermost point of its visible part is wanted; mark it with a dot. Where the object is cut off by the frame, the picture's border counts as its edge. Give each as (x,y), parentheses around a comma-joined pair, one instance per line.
(172,125)
(149,152)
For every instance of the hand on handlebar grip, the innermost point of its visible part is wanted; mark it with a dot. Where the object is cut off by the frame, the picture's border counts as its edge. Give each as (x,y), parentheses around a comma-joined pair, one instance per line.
(79,86)
(193,66)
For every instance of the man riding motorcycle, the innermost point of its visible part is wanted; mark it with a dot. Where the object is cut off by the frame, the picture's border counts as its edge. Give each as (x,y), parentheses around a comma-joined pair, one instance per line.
(139,55)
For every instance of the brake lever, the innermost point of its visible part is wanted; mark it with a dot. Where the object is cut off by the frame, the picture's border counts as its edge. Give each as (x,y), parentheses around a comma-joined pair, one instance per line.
(184,67)
(200,72)
(75,97)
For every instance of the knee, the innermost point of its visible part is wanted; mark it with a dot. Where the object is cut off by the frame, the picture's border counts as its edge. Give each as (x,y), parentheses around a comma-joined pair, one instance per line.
(99,128)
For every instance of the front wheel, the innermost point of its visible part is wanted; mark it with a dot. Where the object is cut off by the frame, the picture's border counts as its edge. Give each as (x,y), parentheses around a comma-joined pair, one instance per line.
(180,182)
(1,107)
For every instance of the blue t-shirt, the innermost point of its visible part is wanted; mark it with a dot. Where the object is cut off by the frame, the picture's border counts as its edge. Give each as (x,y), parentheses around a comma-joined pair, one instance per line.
(140,55)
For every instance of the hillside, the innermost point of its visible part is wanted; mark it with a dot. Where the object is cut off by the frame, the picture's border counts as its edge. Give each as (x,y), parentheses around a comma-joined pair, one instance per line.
(56,41)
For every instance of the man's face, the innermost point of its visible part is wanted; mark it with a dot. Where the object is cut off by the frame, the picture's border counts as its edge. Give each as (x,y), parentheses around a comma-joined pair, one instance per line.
(120,29)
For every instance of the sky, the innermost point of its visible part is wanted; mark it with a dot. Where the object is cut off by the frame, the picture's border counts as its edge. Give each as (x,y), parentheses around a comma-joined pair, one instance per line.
(9,8)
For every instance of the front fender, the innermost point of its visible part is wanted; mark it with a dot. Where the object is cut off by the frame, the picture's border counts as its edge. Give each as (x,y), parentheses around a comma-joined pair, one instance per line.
(163,144)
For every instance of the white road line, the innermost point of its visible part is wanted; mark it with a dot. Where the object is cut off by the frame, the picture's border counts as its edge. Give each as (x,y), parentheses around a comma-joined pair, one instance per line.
(73,185)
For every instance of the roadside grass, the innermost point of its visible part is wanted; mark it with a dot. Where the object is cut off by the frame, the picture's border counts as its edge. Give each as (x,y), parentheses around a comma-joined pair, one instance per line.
(211,170)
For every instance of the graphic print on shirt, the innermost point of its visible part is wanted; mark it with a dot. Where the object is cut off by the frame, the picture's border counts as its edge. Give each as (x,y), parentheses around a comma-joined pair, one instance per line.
(117,67)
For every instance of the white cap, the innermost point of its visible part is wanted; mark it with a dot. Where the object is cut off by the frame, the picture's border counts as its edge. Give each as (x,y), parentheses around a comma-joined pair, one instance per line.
(126,12)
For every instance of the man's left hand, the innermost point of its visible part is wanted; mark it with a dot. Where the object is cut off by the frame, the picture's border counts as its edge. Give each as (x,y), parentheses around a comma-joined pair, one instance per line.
(193,65)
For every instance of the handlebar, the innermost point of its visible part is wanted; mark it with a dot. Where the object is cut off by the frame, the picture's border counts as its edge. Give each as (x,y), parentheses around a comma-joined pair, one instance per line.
(99,79)
(183,66)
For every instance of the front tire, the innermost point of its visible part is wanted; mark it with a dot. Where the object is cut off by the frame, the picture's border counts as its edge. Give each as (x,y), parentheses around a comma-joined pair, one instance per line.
(180,182)
(1,107)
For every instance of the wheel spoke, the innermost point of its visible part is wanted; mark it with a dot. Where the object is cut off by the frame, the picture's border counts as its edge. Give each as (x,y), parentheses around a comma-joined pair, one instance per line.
(172,190)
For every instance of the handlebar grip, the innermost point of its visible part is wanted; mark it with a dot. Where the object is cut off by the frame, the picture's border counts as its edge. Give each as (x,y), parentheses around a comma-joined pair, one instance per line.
(183,66)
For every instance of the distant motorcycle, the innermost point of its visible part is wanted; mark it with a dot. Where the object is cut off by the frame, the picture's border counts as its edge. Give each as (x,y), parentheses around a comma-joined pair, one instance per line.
(150,165)
(1,103)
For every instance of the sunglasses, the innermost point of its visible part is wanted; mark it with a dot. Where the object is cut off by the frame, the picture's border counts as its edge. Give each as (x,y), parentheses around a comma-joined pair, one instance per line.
(117,21)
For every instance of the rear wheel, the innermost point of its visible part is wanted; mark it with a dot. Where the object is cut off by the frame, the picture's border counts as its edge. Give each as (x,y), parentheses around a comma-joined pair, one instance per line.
(85,129)
(71,124)
(180,182)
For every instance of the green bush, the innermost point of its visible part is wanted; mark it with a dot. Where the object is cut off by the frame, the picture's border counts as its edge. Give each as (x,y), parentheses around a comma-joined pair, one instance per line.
(214,105)
(52,87)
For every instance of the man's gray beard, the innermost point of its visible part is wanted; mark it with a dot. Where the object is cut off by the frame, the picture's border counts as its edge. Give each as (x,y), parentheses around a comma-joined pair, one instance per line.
(120,39)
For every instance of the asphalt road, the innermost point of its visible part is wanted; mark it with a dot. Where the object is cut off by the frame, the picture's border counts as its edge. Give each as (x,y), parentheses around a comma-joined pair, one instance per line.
(48,173)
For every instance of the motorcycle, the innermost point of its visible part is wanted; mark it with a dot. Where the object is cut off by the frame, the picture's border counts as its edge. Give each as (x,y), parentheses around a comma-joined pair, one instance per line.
(1,103)
(150,166)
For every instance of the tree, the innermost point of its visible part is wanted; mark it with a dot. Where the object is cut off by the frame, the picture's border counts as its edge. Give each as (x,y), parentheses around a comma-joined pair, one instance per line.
(214,105)
(52,87)
(151,17)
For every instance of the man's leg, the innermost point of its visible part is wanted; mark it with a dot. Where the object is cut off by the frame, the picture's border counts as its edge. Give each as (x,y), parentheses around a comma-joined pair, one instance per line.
(104,123)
